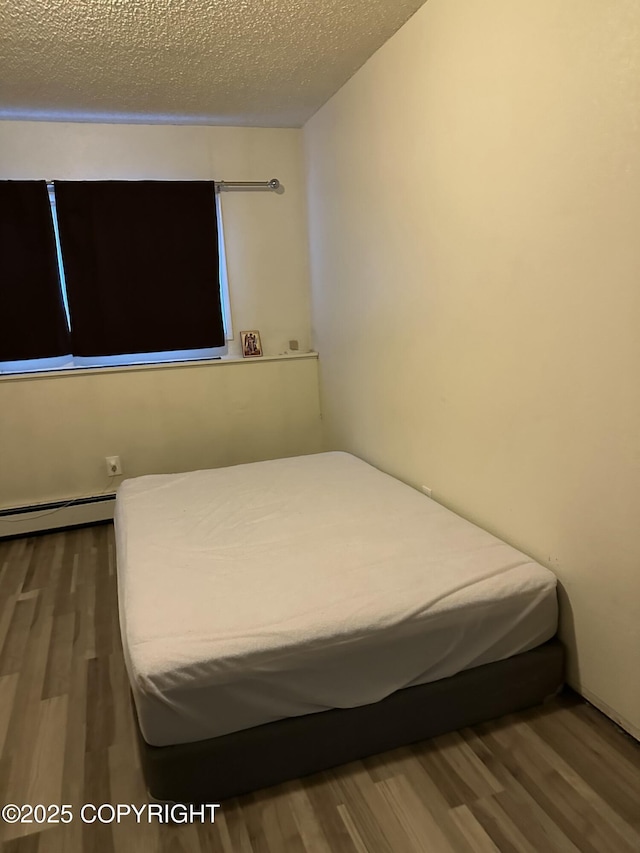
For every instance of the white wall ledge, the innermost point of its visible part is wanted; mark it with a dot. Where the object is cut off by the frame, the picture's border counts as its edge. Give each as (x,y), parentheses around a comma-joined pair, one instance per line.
(165,365)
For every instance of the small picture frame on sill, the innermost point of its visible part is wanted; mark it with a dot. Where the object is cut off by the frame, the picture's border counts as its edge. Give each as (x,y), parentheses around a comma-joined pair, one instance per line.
(251,345)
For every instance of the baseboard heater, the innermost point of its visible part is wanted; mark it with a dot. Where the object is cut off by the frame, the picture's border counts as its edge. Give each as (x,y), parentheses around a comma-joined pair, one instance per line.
(56,515)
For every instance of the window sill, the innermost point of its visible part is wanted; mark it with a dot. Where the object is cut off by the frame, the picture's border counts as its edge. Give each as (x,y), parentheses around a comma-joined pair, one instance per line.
(166,365)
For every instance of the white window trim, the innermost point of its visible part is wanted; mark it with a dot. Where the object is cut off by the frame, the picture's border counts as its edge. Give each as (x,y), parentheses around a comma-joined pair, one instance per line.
(228,360)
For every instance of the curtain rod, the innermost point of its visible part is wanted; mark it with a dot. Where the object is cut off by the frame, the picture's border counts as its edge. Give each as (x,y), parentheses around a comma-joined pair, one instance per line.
(273,184)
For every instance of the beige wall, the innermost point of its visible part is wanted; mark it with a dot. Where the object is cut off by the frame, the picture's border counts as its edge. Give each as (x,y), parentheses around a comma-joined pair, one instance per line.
(474,200)
(55,432)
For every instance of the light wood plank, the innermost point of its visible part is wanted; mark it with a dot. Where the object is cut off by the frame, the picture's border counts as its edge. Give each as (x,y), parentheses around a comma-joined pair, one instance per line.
(417,821)
(8,686)
(377,825)
(473,833)
(507,836)
(350,826)
(308,822)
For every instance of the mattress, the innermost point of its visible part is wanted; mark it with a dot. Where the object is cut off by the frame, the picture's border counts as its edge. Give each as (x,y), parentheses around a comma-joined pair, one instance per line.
(274,589)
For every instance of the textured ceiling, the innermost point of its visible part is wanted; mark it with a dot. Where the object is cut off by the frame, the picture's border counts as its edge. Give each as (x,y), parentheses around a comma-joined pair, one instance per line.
(248,62)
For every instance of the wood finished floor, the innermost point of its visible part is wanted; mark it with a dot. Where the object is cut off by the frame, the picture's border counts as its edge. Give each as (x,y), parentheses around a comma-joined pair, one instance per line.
(556,778)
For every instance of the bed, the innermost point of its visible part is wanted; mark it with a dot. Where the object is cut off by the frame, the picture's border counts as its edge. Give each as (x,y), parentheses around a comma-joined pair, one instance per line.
(282,617)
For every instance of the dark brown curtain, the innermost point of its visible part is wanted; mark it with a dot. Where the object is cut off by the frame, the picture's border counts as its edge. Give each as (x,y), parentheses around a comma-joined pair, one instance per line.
(32,318)
(141,265)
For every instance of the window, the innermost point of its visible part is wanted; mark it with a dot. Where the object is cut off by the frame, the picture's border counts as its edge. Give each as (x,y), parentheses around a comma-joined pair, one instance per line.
(96,214)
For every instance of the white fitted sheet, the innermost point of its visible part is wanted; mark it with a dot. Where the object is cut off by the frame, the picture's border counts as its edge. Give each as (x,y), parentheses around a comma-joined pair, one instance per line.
(274,589)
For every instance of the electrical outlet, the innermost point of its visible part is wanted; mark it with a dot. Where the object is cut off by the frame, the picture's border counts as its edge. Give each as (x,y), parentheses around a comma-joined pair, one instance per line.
(427,491)
(114,466)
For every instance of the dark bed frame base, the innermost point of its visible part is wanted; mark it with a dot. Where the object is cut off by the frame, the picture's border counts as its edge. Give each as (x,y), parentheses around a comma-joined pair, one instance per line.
(210,771)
